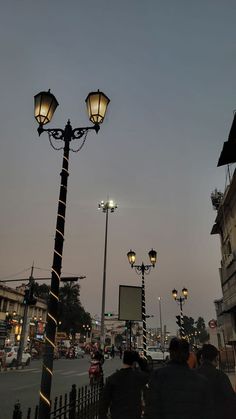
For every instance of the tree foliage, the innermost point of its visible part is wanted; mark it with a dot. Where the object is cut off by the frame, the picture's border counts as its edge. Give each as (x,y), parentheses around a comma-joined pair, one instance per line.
(195,330)
(71,314)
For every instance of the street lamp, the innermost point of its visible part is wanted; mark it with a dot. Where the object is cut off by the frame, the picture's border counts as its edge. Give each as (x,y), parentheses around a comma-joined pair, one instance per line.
(143,269)
(180,300)
(86,329)
(107,206)
(44,108)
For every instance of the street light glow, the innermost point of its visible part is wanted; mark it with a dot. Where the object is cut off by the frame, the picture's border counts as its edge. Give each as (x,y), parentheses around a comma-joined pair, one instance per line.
(45,105)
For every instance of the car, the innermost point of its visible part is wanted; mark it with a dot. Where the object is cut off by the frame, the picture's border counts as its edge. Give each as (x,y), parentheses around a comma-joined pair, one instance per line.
(154,353)
(11,356)
(79,353)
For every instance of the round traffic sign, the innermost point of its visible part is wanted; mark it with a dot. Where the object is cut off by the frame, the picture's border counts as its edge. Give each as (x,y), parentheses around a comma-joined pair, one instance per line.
(212,324)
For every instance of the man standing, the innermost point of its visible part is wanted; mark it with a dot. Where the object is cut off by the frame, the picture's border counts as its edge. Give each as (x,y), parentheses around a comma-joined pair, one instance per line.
(224,397)
(122,393)
(176,391)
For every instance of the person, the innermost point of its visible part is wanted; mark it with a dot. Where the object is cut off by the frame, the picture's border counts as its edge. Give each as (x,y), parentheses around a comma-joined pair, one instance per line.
(122,393)
(176,391)
(192,360)
(98,356)
(113,352)
(199,357)
(95,369)
(224,397)
(120,352)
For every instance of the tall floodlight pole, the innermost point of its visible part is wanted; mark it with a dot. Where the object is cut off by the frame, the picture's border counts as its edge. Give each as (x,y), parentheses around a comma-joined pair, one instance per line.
(45,106)
(142,270)
(161,328)
(105,207)
(180,300)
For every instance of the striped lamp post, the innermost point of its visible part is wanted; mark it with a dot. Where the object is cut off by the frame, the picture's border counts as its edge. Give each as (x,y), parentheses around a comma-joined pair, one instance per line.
(180,300)
(142,270)
(45,106)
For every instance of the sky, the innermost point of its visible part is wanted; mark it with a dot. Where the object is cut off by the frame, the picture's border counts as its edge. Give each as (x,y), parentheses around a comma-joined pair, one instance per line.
(169,71)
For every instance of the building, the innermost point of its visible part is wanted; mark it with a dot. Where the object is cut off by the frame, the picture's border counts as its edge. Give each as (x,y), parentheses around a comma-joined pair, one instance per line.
(12,311)
(225,227)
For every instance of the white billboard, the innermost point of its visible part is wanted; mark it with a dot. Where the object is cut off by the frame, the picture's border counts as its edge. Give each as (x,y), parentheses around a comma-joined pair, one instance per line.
(130,303)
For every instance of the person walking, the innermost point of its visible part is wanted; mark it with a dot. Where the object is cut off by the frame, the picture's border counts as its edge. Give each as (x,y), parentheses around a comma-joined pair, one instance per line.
(120,352)
(176,391)
(113,352)
(224,397)
(122,393)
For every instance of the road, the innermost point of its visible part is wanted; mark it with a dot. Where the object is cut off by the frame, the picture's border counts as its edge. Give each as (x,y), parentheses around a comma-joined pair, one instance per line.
(23,385)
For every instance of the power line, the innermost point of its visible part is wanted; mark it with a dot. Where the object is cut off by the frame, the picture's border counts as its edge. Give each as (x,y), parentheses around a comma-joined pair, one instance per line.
(16,274)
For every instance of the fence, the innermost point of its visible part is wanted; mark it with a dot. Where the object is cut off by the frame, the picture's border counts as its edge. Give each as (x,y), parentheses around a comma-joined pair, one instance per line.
(81,403)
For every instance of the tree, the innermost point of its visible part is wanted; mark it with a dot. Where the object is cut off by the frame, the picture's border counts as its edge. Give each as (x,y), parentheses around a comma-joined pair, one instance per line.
(201,333)
(71,314)
(189,329)
(41,291)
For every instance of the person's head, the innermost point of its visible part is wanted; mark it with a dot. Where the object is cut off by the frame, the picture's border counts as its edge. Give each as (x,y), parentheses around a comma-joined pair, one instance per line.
(179,350)
(129,358)
(199,356)
(210,353)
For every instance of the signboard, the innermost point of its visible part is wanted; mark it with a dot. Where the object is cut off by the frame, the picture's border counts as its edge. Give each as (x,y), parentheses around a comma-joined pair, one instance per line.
(40,328)
(61,335)
(212,324)
(130,303)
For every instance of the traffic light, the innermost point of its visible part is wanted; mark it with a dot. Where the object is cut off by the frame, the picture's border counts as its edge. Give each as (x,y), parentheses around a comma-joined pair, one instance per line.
(108,314)
(178,321)
(29,298)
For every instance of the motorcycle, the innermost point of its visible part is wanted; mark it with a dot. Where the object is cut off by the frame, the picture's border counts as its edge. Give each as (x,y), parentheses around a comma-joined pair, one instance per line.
(95,372)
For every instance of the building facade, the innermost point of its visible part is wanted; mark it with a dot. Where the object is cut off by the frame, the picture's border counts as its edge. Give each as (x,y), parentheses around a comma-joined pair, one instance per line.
(12,311)
(225,227)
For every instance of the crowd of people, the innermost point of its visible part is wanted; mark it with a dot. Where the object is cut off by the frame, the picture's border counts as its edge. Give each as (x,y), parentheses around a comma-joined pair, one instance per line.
(182,389)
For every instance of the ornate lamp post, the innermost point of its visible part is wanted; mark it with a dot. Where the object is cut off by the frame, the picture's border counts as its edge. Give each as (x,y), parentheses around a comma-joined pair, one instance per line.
(86,329)
(143,269)
(45,106)
(105,207)
(180,300)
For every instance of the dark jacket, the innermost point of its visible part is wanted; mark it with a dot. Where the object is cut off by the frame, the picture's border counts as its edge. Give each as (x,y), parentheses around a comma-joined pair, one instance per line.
(122,393)
(224,397)
(178,392)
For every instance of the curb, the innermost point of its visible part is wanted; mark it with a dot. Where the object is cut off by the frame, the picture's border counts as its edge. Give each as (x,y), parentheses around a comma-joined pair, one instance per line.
(21,367)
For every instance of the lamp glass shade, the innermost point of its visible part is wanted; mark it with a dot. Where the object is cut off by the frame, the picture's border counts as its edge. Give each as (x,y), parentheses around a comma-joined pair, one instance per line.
(97,104)
(174,293)
(45,105)
(131,257)
(153,257)
(185,292)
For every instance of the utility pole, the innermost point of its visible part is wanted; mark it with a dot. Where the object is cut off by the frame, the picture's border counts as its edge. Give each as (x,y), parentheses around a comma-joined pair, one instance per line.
(161,329)
(28,300)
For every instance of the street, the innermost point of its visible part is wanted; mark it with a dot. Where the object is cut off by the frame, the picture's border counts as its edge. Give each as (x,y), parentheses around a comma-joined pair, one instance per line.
(23,385)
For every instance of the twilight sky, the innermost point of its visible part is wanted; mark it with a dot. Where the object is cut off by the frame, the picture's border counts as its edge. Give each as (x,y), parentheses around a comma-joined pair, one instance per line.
(169,69)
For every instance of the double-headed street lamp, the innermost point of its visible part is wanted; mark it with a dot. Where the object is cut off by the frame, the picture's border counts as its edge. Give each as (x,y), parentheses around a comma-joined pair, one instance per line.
(180,300)
(143,269)
(44,108)
(107,206)
(86,329)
